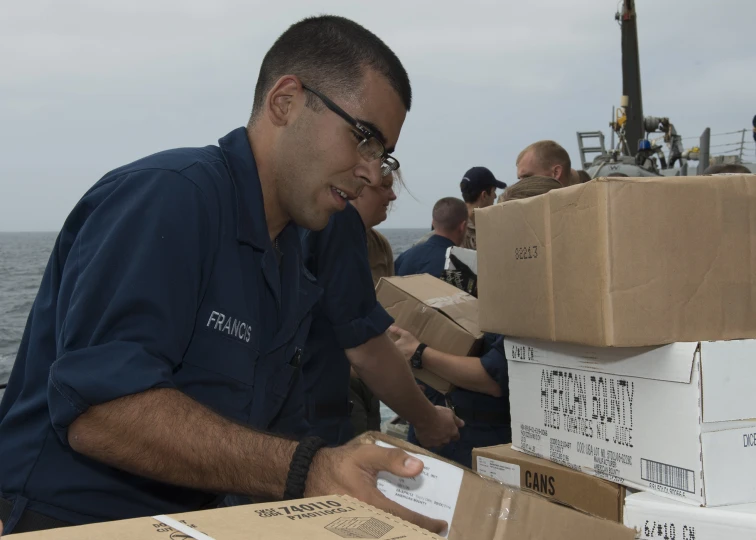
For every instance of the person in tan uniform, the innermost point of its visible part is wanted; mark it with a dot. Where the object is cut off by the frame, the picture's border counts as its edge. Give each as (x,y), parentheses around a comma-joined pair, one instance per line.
(373,205)
(380,255)
(478,191)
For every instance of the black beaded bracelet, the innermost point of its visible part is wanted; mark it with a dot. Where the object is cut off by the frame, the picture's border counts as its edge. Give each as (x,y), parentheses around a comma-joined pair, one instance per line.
(300,467)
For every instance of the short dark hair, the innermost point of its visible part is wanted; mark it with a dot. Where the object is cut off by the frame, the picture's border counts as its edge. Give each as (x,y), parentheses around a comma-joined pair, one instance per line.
(617,175)
(723,168)
(584,176)
(449,213)
(470,193)
(330,54)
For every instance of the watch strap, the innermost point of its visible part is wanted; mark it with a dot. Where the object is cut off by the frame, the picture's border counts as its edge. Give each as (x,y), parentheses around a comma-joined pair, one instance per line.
(417,357)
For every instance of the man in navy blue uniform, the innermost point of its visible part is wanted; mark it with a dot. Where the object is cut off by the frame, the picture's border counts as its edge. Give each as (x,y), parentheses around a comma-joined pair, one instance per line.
(449,227)
(168,331)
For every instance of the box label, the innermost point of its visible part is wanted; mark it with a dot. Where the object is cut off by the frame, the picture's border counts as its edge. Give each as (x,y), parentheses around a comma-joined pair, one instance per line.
(598,407)
(506,473)
(433,493)
(668,531)
(668,475)
(640,432)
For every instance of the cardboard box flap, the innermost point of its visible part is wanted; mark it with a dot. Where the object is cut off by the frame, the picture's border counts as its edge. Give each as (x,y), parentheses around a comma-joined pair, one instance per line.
(673,363)
(726,395)
(460,307)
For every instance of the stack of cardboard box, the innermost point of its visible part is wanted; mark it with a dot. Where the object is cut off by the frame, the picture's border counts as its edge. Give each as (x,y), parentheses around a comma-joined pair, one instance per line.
(476,507)
(445,318)
(633,303)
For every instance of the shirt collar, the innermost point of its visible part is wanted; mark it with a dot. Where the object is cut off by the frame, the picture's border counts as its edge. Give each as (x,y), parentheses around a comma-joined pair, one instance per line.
(251,227)
(437,239)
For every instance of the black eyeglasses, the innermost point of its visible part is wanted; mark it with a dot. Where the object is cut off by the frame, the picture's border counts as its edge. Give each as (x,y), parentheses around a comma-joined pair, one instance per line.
(370,148)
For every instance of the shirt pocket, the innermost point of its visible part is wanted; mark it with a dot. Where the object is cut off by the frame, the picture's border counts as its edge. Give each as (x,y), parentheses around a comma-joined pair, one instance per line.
(219,366)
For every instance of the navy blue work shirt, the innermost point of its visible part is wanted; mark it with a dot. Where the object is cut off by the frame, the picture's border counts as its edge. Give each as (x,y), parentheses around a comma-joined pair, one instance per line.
(426,258)
(163,276)
(478,432)
(347,316)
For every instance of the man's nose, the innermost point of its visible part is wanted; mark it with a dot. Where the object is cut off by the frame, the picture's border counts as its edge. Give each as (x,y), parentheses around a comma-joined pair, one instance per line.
(370,172)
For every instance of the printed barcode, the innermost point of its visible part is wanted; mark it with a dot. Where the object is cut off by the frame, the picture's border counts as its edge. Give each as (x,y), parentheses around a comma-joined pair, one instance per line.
(668,475)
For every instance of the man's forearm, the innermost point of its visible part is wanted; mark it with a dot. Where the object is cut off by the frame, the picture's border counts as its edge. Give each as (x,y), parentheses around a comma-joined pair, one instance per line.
(165,435)
(383,368)
(463,371)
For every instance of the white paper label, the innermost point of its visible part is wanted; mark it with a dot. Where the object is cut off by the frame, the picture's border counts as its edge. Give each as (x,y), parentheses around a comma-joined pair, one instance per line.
(506,473)
(433,493)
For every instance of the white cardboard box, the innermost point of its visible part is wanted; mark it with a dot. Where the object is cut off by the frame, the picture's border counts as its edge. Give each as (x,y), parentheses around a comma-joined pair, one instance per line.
(467,256)
(658,518)
(678,419)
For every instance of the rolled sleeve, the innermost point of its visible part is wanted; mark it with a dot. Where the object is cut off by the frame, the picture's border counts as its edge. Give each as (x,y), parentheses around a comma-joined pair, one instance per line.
(129,292)
(361,330)
(338,257)
(495,363)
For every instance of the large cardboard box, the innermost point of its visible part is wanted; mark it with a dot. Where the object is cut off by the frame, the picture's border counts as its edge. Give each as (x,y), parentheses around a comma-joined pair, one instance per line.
(320,518)
(678,419)
(437,313)
(622,262)
(582,491)
(657,518)
(482,509)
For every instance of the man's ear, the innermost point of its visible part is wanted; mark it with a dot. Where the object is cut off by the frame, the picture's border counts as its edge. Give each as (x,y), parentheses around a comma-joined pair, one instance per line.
(285,100)
(558,170)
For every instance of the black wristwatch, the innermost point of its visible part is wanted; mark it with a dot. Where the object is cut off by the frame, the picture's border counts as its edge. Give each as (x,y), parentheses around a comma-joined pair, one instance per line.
(417,358)
(300,467)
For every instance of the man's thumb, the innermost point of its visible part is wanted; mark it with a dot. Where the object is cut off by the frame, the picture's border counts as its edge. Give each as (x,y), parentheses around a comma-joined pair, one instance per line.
(402,464)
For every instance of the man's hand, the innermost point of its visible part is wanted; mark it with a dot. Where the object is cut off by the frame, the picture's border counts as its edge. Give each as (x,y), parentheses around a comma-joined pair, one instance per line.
(406,342)
(439,431)
(353,470)
(387,373)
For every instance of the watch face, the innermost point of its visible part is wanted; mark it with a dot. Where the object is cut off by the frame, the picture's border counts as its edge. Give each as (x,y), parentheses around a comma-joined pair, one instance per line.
(417,359)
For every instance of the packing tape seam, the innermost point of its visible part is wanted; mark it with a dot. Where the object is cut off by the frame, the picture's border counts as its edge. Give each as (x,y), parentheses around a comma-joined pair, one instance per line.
(444,301)
(181,527)
(389,517)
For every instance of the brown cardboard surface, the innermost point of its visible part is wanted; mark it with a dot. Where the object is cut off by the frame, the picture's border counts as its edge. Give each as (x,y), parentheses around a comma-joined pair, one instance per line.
(585,492)
(489,510)
(622,262)
(320,518)
(436,313)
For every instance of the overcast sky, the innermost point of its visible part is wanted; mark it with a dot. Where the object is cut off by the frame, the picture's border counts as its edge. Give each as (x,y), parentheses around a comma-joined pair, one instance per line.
(87,86)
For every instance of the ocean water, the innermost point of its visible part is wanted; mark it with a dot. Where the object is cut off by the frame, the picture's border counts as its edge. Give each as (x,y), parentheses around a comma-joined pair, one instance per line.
(23,258)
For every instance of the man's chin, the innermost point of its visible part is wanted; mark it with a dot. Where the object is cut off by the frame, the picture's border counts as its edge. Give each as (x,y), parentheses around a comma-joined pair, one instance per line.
(315,222)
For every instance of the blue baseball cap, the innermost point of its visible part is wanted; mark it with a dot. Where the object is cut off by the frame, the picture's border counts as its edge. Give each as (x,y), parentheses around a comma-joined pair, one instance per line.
(480,178)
